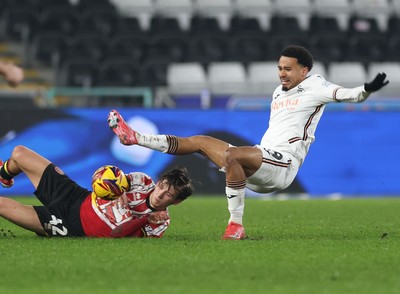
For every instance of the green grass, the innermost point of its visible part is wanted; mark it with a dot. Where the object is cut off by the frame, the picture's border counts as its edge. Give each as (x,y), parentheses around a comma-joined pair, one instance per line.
(317,246)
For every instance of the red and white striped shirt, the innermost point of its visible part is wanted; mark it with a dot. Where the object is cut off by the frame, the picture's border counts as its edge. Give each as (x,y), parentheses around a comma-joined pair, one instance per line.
(103,218)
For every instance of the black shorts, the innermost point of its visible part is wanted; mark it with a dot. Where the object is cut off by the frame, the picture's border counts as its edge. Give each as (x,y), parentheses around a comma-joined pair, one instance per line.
(62,199)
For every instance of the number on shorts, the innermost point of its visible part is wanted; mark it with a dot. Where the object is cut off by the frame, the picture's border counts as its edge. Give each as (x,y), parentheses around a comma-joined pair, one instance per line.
(274,154)
(55,228)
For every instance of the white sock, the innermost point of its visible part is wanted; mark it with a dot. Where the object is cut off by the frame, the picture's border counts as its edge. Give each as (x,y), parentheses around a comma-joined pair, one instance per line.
(155,142)
(235,204)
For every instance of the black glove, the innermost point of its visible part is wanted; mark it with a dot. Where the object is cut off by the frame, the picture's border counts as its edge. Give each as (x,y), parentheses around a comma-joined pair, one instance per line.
(377,83)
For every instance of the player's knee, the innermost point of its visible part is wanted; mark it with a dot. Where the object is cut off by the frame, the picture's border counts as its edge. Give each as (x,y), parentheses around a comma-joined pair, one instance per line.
(230,156)
(19,152)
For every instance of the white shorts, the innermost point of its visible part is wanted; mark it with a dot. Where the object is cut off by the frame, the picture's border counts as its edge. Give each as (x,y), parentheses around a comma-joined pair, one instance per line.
(276,172)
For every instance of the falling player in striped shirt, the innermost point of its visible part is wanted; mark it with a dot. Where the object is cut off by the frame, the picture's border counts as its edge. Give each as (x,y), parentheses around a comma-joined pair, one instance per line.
(296,108)
(70,210)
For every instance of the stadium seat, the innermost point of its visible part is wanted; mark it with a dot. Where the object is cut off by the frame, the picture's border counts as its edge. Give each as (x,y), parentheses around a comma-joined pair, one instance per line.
(286,26)
(325,26)
(395,7)
(259,9)
(301,9)
(165,25)
(21,23)
(153,73)
(129,26)
(361,25)
(392,69)
(182,10)
(393,28)
(60,19)
(245,26)
(43,5)
(101,20)
(48,47)
(172,48)
(278,41)
(247,48)
(205,26)
(347,74)
(327,48)
(128,46)
(206,49)
(119,72)
(142,9)
(378,9)
(263,77)
(319,68)
(393,49)
(78,72)
(226,77)
(186,78)
(222,10)
(88,5)
(365,48)
(90,46)
(340,9)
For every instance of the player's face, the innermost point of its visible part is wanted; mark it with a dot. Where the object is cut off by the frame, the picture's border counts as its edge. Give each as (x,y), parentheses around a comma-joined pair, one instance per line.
(291,73)
(163,196)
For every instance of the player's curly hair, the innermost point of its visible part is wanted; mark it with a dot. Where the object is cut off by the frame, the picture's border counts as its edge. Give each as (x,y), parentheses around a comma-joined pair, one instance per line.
(180,180)
(303,56)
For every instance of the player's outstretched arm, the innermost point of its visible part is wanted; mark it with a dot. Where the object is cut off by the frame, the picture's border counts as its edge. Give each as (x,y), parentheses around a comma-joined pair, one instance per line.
(133,227)
(377,83)
(12,73)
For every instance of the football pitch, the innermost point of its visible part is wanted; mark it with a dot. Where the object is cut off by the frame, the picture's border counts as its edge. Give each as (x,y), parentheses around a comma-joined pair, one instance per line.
(294,246)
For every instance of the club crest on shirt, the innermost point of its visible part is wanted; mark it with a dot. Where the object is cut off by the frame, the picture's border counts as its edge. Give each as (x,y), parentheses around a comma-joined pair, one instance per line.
(300,89)
(59,170)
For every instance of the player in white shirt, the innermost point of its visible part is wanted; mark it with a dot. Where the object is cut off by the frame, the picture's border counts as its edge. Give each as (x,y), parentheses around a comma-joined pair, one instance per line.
(296,108)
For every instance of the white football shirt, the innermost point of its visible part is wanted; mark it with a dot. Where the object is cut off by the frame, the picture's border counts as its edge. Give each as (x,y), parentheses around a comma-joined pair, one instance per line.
(295,113)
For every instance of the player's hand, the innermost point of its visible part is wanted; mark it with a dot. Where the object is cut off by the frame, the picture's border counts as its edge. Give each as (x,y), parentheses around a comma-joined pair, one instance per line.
(377,83)
(157,217)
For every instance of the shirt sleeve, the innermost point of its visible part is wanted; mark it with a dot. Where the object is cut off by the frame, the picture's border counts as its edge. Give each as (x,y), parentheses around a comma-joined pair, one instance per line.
(330,92)
(131,228)
(352,95)
(156,231)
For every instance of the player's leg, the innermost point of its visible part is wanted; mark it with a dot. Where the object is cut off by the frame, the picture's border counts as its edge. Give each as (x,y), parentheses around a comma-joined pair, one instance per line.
(24,216)
(210,147)
(240,163)
(24,160)
(207,146)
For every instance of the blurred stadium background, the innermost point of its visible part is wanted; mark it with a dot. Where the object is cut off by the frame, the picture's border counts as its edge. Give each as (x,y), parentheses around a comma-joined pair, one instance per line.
(198,67)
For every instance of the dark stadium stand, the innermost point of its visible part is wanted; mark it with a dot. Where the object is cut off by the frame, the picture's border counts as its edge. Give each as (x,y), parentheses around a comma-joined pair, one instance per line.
(91,37)
(119,72)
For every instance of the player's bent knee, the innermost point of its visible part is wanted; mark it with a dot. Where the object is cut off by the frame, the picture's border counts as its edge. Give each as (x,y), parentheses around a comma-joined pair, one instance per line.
(19,152)
(230,156)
